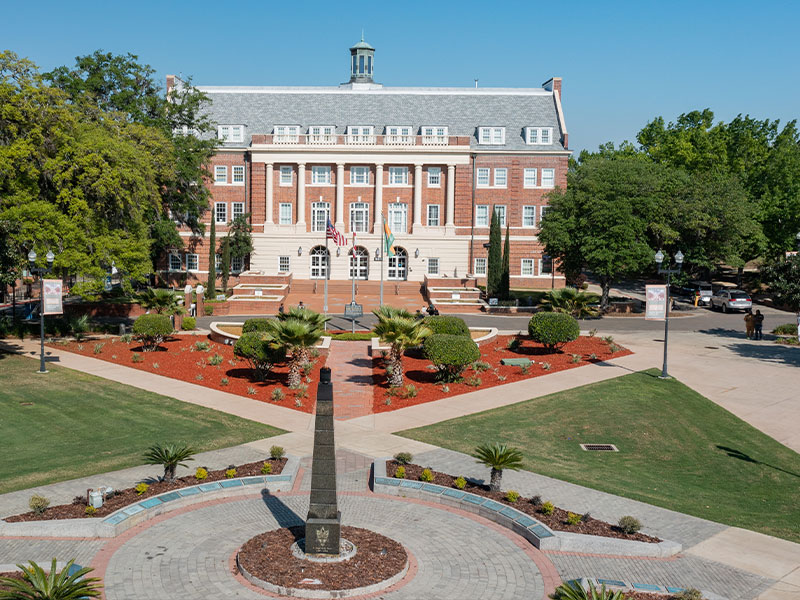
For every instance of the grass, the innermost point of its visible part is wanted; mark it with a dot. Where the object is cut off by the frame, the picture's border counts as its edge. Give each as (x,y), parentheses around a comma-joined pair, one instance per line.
(678,450)
(351,337)
(68,424)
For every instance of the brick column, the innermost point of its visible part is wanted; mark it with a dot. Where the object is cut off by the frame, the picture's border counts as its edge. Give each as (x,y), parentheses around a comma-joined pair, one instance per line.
(301,194)
(450,206)
(378,198)
(417,195)
(269,194)
(340,196)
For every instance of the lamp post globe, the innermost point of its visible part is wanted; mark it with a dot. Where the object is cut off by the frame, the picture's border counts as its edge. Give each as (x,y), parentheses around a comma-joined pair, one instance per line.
(32,257)
(50,257)
(679,257)
(659,257)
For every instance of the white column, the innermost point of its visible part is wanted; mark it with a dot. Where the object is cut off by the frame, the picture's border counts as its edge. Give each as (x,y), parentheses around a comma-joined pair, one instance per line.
(376,228)
(417,195)
(450,206)
(339,196)
(301,194)
(269,193)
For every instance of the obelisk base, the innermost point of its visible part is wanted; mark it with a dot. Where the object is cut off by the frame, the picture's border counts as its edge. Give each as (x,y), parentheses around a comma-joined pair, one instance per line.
(322,535)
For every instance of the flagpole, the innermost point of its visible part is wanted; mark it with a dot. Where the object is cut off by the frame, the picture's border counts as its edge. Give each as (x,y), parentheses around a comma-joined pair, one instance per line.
(353,278)
(383,251)
(327,273)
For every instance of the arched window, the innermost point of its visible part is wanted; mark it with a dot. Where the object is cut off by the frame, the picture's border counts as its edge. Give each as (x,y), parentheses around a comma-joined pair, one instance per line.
(359,263)
(398,264)
(320,258)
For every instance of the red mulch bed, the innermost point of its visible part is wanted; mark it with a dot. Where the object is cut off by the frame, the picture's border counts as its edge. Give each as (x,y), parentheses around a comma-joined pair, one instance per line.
(177,358)
(556,521)
(123,498)
(428,390)
(10,575)
(268,557)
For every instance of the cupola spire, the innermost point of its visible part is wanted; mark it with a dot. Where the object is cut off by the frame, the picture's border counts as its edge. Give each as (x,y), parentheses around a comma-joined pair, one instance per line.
(362,62)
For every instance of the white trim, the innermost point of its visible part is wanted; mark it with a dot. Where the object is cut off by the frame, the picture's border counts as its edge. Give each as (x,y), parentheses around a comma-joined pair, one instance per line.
(315,169)
(548,187)
(438,170)
(363,207)
(365,169)
(536,140)
(505,171)
(216,213)
(431,260)
(560,112)
(504,220)
(524,226)
(169,262)
(288,258)
(234,205)
(492,133)
(286,134)
(217,170)
(377,89)
(475,266)
(230,133)
(234,169)
(525,178)
(285,169)
(291,216)
(438,215)
(488,183)
(326,135)
(532,262)
(196,261)
(403,179)
(488,215)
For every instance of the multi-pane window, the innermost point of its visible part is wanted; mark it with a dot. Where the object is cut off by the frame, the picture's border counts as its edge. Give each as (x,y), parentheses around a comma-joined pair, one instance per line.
(480,266)
(283,264)
(527,267)
(540,135)
(500,177)
(399,135)
(319,262)
(286,175)
(321,134)
(359,263)
(320,212)
(546,265)
(482,215)
(175,262)
(433,266)
(398,264)
(359,217)
(434,176)
(483,177)
(529,178)
(360,134)
(237,264)
(220,174)
(220,212)
(230,133)
(192,262)
(359,175)
(434,136)
(433,215)
(501,214)
(238,209)
(398,175)
(492,135)
(542,212)
(218,262)
(529,216)
(548,178)
(398,217)
(286,134)
(285,213)
(238,173)
(320,175)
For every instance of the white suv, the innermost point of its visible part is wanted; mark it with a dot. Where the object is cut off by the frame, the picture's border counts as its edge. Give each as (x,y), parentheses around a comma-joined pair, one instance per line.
(729,300)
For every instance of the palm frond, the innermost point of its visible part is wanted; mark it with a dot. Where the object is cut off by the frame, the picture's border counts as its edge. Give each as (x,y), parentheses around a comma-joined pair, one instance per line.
(498,456)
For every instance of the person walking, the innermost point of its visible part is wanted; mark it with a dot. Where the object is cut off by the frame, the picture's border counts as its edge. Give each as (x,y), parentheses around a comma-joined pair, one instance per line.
(758,324)
(749,323)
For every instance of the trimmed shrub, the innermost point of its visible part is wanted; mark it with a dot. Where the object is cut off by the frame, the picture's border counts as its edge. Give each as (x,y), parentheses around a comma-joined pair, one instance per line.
(188,323)
(629,524)
(266,469)
(451,354)
(690,594)
(400,473)
(276,452)
(38,504)
(785,329)
(141,488)
(573,518)
(460,483)
(259,353)
(230,473)
(403,458)
(201,473)
(255,325)
(446,325)
(553,329)
(151,330)
(347,336)
(547,508)
(512,496)
(90,511)
(426,475)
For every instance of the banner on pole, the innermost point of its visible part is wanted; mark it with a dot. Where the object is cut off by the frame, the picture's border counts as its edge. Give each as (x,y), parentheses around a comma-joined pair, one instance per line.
(51,302)
(656,302)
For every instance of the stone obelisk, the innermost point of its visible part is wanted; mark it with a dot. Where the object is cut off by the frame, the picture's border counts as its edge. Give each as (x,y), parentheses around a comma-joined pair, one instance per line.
(323,525)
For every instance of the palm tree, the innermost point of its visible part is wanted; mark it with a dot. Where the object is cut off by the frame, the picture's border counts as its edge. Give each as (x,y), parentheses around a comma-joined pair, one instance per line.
(36,584)
(305,314)
(571,301)
(400,332)
(573,590)
(295,336)
(386,312)
(498,457)
(160,301)
(170,457)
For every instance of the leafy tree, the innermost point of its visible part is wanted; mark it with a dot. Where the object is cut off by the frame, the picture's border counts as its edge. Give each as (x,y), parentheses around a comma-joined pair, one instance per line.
(401,331)
(36,584)
(783,278)
(505,274)
(498,457)
(211,285)
(570,301)
(11,259)
(494,263)
(240,237)
(170,456)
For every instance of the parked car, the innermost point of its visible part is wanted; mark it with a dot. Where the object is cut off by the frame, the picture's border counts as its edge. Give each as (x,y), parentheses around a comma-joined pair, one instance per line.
(693,289)
(729,300)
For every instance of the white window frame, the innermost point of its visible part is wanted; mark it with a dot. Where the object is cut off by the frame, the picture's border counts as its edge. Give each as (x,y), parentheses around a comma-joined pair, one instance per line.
(502,213)
(358,263)
(220,175)
(361,134)
(433,222)
(284,261)
(479,271)
(431,262)
(320,213)
(397,265)
(192,259)
(170,264)
(322,258)
(217,206)
(541,268)
(529,262)
(359,208)
(483,177)
(218,262)
(230,133)
(528,175)
(399,135)
(281,207)
(398,177)
(398,217)
(542,211)
(237,264)
(482,220)
(434,135)
(503,173)
(286,134)
(237,210)
(434,176)
(539,136)
(321,134)
(495,136)
(529,212)
(552,178)
(321,175)
(286,177)
(237,175)
(356,179)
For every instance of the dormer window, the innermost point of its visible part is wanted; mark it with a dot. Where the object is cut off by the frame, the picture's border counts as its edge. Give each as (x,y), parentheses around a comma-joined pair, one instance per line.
(539,136)
(492,135)
(322,134)
(434,136)
(286,134)
(230,133)
(399,135)
(360,134)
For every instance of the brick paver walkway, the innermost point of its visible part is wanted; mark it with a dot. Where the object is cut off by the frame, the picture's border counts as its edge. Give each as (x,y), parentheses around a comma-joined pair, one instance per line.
(351,368)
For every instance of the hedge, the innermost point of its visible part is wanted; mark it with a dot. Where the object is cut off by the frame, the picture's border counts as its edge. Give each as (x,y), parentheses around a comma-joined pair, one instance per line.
(451,354)
(151,330)
(447,325)
(553,329)
(258,352)
(255,325)
(188,323)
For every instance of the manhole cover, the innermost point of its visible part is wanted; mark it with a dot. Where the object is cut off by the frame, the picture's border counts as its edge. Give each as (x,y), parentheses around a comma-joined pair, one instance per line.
(599,447)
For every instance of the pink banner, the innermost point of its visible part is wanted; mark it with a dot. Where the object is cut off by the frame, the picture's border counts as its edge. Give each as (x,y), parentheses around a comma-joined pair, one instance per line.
(52,297)
(656,302)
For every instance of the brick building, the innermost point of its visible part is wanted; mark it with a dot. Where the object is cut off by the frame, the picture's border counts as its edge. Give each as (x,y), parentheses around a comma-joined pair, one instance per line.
(432,161)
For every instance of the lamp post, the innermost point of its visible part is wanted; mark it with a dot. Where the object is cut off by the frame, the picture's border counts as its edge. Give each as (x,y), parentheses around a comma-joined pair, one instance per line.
(659,258)
(41,272)
(797,237)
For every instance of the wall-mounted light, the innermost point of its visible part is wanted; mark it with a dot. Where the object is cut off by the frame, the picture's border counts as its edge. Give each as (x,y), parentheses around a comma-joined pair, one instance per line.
(299,251)
(416,253)
(377,253)
(338,250)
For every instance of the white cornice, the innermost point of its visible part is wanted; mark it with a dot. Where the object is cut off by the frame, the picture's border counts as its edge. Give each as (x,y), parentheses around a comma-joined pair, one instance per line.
(420,91)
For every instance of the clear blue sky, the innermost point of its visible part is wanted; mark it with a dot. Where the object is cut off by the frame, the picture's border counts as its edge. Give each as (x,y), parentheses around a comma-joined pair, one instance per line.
(622,62)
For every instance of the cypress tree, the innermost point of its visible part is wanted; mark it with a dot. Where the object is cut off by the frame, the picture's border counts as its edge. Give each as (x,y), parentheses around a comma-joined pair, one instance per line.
(494,266)
(226,263)
(505,274)
(211,289)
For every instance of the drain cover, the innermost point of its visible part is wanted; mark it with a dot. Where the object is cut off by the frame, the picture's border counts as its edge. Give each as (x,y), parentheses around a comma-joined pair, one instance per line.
(599,447)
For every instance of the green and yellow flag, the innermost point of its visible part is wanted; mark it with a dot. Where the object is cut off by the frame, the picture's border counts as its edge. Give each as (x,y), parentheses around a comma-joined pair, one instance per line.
(388,240)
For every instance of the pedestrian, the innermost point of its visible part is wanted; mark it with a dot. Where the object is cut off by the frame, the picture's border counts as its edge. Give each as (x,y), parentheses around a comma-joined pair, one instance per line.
(749,323)
(281,309)
(301,305)
(758,324)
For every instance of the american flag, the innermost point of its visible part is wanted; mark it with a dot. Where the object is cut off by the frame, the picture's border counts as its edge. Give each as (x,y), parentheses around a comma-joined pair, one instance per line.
(333,234)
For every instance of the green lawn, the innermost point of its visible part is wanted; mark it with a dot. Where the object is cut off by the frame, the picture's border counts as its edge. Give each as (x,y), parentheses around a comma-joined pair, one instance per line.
(79,424)
(677,450)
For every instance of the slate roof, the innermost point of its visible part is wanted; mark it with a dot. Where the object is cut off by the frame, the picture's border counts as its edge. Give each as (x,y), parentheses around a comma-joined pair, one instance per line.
(462,110)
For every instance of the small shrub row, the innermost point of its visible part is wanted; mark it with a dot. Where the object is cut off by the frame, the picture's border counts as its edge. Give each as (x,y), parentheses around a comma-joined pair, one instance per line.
(553,329)
(451,354)
(447,325)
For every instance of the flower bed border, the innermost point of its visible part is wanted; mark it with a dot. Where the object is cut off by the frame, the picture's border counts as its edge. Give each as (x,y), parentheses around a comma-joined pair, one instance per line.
(535,532)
